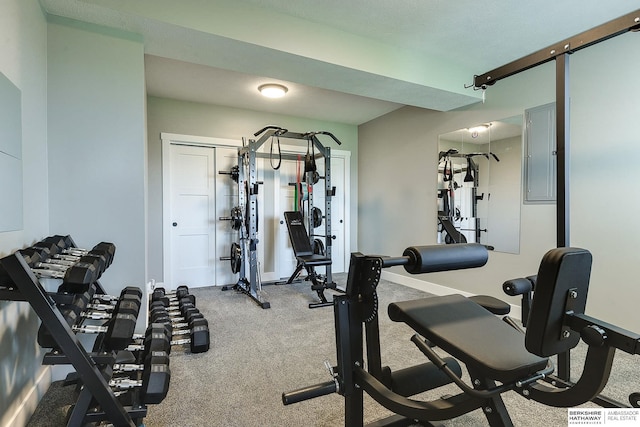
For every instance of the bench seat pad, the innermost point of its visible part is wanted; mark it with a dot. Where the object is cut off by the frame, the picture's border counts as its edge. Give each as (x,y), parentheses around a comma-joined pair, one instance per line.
(471,334)
(313,260)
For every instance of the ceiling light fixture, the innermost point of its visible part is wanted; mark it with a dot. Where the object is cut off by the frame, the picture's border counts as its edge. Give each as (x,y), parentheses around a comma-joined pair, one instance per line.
(479,128)
(272,90)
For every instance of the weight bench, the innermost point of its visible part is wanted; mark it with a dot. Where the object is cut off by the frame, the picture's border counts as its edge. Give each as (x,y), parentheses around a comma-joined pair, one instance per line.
(454,234)
(494,352)
(498,357)
(306,258)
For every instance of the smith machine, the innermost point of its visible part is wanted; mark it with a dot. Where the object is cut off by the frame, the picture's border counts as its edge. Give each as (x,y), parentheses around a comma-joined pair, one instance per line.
(244,217)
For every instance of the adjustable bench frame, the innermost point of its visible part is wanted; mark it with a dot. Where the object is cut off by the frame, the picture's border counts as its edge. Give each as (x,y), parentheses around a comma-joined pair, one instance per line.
(307,259)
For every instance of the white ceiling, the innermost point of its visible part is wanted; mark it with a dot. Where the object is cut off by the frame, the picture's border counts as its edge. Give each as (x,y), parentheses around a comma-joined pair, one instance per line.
(343,61)
(186,81)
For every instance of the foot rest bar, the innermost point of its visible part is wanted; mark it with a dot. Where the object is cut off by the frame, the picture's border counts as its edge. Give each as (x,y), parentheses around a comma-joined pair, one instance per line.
(310,392)
(420,378)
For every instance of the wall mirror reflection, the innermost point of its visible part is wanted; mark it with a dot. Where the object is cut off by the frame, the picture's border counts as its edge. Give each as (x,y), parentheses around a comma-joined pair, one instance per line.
(479,184)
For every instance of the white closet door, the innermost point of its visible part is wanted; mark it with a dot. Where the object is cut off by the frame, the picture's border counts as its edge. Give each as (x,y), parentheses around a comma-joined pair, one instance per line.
(192,192)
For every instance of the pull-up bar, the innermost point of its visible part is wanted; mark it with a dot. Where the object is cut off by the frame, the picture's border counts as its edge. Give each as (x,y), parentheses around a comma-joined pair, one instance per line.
(560,53)
(629,22)
(278,131)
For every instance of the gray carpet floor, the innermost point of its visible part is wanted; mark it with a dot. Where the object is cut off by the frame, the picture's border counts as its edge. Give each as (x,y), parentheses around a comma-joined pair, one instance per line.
(257,354)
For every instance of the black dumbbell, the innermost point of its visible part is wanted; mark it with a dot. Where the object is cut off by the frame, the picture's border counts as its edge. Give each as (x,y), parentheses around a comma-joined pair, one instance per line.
(55,250)
(121,321)
(177,325)
(156,338)
(64,246)
(198,331)
(182,291)
(77,276)
(179,319)
(156,377)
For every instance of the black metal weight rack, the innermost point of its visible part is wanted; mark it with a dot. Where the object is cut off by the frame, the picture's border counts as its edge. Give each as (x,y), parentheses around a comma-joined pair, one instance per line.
(19,283)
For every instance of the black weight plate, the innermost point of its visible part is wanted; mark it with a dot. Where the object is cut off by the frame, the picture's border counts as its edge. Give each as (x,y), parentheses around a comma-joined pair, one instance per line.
(236,257)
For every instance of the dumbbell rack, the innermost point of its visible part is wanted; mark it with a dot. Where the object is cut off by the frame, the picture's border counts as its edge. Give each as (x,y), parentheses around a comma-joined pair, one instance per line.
(19,283)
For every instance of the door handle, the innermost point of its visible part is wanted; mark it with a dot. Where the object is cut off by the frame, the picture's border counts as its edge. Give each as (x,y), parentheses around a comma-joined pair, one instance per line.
(281,222)
(175,224)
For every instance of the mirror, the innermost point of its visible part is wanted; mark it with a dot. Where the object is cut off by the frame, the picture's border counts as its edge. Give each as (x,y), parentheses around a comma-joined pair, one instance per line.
(479,182)
(11,209)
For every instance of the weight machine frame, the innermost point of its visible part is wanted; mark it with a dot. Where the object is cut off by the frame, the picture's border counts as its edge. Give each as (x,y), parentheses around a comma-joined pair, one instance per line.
(559,52)
(19,283)
(248,186)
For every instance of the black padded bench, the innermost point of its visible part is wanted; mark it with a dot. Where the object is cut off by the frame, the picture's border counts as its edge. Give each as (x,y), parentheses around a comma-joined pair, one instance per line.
(498,357)
(305,256)
(459,326)
(494,351)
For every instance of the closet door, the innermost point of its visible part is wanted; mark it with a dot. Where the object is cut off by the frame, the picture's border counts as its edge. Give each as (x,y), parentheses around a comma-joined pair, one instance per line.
(192,206)
(286,175)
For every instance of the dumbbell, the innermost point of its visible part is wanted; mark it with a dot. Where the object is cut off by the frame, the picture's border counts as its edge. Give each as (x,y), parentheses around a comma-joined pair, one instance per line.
(52,250)
(182,291)
(66,246)
(78,274)
(43,266)
(184,327)
(156,338)
(130,292)
(156,377)
(177,319)
(84,308)
(199,339)
(118,331)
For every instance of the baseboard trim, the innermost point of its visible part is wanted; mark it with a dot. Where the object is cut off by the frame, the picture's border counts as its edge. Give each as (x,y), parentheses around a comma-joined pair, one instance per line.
(436,289)
(27,407)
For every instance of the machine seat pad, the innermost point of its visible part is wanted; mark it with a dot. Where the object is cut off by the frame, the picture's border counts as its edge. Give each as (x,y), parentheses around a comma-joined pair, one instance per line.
(313,260)
(471,334)
(494,305)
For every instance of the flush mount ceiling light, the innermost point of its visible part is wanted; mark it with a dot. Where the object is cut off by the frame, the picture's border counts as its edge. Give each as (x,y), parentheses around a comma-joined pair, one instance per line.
(479,128)
(272,90)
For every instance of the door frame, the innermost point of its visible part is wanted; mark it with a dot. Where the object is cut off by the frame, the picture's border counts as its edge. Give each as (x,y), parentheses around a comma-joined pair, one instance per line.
(169,139)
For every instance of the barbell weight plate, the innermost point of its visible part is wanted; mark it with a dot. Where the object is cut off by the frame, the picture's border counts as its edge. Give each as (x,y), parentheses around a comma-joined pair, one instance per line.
(318,247)
(316,217)
(236,257)
(236,218)
(235,173)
